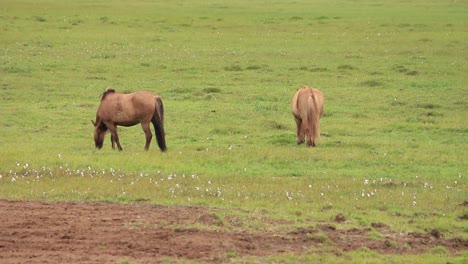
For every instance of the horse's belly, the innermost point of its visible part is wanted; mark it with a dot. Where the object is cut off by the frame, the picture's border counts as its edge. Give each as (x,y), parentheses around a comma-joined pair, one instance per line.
(124,119)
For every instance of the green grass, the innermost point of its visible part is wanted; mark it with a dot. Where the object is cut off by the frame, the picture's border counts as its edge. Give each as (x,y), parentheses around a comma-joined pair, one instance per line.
(364,256)
(393,146)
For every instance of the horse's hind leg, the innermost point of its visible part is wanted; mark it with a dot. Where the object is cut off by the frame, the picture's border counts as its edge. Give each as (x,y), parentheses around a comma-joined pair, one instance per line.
(300,131)
(311,142)
(148,135)
(112,141)
(310,137)
(306,133)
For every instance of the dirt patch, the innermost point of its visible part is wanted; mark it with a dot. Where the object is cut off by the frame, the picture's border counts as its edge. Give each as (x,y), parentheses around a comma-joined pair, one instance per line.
(59,232)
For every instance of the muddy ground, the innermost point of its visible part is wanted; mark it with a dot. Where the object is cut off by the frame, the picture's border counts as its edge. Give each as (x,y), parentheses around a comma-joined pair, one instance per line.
(69,232)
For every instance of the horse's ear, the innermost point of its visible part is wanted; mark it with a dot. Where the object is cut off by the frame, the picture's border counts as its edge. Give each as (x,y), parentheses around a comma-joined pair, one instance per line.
(94,123)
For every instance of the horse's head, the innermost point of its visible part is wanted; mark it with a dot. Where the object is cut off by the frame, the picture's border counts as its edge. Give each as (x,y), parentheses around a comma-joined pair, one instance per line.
(100,130)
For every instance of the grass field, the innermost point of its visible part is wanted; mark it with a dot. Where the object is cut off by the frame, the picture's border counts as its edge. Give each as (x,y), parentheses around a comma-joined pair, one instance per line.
(394,75)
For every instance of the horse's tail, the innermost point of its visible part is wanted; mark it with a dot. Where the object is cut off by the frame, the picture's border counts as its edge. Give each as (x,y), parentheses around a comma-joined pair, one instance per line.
(158,123)
(314,116)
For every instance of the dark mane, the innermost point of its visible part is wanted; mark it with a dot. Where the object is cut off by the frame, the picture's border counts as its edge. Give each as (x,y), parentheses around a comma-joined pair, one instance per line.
(106,92)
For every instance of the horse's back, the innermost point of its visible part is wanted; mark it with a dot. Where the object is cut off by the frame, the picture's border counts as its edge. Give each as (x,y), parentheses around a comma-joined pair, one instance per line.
(143,98)
(300,101)
(142,104)
(143,95)
(128,109)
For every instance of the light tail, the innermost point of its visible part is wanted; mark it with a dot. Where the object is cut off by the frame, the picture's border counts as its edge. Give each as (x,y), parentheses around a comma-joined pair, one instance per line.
(314,117)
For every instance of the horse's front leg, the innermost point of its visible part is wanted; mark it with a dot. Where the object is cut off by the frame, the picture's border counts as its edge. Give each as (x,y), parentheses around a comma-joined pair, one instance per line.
(114,136)
(148,135)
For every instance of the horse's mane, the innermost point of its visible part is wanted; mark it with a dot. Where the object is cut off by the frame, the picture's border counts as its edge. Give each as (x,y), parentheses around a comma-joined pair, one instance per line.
(106,92)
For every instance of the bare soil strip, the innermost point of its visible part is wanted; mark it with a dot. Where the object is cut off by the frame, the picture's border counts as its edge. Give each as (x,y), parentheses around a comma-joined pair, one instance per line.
(70,232)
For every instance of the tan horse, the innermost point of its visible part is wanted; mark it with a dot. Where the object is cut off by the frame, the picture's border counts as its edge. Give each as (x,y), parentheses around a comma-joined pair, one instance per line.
(117,109)
(307,109)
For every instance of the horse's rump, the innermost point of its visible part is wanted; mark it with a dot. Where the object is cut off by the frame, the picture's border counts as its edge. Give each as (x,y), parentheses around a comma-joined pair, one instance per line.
(307,108)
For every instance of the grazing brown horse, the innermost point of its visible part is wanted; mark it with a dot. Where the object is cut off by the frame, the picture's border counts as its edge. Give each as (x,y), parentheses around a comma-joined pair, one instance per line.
(307,108)
(117,109)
